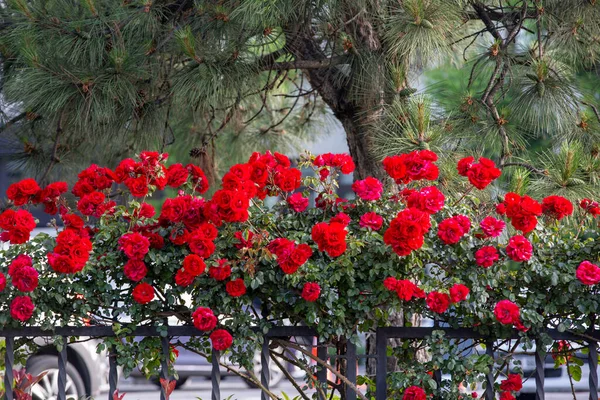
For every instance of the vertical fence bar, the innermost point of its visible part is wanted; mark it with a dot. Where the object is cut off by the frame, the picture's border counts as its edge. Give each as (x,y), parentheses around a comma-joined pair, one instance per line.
(540,356)
(9,359)
(593,363)
(489,378)
(164,364)
(265,359)
(381,372)
(350,369)
(322,371)
(113,374)
(62,370)
(215,375)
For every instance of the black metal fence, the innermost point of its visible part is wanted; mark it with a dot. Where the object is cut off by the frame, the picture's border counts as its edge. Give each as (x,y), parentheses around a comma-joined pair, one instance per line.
(382,337)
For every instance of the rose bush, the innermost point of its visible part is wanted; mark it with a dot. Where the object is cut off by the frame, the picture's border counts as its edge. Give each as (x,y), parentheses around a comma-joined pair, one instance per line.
(232,266)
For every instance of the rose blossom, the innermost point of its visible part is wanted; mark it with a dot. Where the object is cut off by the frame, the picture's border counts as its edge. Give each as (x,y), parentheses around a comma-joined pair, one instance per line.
(371,220)
(486,256)
(458,293)
(588,273)
(507,312)
(221,339)
(143,293)
(297,202)
(204,319)
(438,302)
(368,189)
(519,248)
(236,287)
(311,291)
(21,308)
(414,393)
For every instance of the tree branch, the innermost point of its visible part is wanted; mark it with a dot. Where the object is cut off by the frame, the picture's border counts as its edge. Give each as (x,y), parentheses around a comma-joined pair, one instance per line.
(527,166)
(593,107)
(304,64)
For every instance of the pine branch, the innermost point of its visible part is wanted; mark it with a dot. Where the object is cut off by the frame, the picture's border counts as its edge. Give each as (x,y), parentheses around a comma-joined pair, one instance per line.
(594,108)
(12,121)
(305,64)
(527,166)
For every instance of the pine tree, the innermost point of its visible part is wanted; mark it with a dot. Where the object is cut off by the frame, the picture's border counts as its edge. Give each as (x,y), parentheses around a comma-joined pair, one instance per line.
(130,74)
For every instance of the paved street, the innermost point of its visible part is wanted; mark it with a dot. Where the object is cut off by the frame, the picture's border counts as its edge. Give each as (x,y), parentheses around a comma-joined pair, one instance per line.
(200,389)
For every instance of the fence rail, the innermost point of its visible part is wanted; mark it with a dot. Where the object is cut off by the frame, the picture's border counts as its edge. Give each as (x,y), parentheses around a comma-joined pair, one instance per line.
(382,337)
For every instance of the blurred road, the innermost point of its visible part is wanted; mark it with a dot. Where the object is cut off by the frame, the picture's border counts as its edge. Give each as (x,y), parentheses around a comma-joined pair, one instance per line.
(200,389)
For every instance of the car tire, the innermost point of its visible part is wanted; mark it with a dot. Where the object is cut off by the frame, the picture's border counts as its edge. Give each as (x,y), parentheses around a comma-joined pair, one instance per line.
(276,375)
(47,388)
(526,396)
(179,382)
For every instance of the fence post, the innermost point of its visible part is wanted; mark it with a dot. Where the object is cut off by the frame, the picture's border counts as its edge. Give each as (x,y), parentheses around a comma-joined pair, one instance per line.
(489,378)
(164,364)
(62,370)
(9,359)
(265,376)
(350,369)
(540,356)
(593,363)
(215,375)
(381,372)
(113,374)
(322,371)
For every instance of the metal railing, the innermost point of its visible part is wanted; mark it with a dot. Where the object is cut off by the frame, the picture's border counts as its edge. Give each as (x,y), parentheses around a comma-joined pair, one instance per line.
(382,336)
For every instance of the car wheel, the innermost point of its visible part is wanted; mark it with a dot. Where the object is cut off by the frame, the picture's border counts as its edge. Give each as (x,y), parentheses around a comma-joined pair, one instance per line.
(526,396)
(178,383)
(47,388)
(275,374)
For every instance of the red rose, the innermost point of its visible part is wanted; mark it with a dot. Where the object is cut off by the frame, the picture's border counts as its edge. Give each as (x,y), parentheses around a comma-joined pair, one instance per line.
(183,278)
(61,263)
(512,383)
(134,245)
(519,248)
(486,256)
(507,312)
(221,339)
(591,207)
(202,247)
(438,302)
(390,283)
(407,230)
(330,238)
(428,199)
(414,393)
(137,186)
(368,189)
(135,270)
(24,277)
(156,241)
(451,230)
(395,167)
(341,218)
(18,226)
(506,396)
(522,211)
(21,308)
(204,319)
(557,207)
(492,227)
(174,209)
(297,202)
(90,204)
(199,179)
(23,191)
(288,180)
(406,289)
(371,220)
(177,175)
(588,273)
(143,293)
(483,173)
(193,264)
(2,282)
(458,293)
(464,165)
(236,287)
(127,168)
(220,272)
(311,291)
